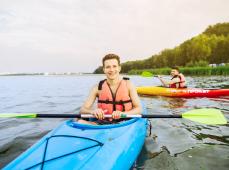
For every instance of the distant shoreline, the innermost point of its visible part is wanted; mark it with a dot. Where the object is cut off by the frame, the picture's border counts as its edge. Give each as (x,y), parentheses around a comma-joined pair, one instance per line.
(44,74)
(191,71)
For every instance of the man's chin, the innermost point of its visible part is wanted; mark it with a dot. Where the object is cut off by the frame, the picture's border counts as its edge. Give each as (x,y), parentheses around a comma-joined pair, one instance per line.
(112,77)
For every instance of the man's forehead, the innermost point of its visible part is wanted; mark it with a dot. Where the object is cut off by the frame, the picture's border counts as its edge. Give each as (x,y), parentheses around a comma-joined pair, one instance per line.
(111,61)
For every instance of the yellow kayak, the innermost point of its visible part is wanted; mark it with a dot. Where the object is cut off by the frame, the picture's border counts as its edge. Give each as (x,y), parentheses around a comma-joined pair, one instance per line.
(181,92)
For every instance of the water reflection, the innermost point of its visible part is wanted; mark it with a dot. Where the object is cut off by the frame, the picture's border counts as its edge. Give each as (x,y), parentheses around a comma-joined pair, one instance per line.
(175,103)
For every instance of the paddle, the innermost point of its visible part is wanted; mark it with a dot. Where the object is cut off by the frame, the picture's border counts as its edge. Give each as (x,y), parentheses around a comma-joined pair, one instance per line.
(147,74)
(205,116)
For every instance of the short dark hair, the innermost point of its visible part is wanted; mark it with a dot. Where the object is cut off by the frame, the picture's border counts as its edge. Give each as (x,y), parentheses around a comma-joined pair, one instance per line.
(175,68)
(111,56)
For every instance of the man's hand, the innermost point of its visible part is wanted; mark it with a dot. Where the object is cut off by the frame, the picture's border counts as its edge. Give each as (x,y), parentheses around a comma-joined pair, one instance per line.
(99,113)
(116,114)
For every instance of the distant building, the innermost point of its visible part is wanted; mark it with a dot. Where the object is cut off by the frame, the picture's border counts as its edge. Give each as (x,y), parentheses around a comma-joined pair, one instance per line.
(212,65)
(216,65)
(222,64)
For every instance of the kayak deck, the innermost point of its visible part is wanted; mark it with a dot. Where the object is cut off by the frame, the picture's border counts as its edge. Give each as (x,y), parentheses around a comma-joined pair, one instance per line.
(79,146)
(182,92)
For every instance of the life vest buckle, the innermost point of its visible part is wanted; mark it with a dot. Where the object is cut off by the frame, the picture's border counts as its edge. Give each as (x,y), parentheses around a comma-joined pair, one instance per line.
(107,101)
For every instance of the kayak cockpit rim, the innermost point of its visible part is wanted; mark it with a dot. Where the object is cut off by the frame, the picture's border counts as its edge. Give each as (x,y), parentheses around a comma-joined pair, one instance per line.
(77,125)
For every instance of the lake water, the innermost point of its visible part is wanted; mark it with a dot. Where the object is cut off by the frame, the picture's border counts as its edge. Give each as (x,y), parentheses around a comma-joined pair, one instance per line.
(174,143)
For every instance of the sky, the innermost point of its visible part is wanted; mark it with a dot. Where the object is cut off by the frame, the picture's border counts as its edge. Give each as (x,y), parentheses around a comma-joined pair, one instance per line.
(74,35)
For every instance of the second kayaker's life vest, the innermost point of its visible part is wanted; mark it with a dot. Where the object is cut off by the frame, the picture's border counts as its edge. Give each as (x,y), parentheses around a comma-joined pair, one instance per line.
(181,83)
(119,101)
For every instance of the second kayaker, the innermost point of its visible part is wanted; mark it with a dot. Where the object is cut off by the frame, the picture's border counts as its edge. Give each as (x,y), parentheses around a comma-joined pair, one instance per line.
(116,95)
(177,81)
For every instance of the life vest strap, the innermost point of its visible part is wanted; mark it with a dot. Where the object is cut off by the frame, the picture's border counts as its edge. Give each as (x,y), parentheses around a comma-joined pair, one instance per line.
(100,84)
(126,78)
(102,81)
(114,102)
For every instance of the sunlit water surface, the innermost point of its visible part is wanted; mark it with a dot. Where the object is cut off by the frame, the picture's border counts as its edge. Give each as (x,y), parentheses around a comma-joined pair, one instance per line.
(174,143)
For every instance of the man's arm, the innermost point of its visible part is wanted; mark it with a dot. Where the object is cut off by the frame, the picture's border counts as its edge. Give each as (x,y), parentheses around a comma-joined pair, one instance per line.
(167,83)
(137,108)
(87,106)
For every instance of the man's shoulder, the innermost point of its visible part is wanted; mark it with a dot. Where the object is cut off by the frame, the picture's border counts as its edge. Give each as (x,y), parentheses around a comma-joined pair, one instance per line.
(130,84)
(95,87)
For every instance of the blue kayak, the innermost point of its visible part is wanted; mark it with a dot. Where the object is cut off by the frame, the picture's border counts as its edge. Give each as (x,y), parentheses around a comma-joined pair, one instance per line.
(78,146)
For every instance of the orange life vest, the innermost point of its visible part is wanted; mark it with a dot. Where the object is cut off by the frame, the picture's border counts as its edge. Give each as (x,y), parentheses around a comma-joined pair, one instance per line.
(111,102)
(181,83)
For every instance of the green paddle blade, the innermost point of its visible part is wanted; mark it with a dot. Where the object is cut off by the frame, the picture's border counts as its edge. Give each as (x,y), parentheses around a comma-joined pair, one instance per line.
(18,115)
(146,74)
(206,116)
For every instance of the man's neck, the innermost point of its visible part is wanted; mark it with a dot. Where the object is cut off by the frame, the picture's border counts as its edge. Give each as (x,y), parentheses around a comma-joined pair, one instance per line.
(113,82)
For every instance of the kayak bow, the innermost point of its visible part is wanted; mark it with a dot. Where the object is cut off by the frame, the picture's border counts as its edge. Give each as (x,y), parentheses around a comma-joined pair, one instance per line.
(80,146)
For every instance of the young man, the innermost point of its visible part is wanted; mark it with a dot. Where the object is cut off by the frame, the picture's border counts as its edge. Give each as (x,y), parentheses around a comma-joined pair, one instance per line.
(177,81)
(116,95)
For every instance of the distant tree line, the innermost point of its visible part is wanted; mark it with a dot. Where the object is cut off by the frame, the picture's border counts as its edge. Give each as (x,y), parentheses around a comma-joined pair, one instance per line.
(212,46)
